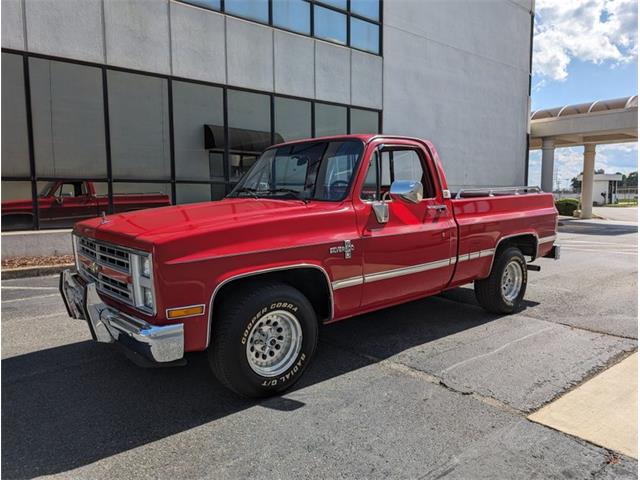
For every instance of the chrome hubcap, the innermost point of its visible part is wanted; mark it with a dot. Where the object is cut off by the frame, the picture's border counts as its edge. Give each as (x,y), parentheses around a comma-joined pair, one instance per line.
(274,343)
(511,281)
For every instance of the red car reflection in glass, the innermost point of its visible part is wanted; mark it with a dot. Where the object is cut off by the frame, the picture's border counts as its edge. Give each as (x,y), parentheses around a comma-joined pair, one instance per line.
(62,203)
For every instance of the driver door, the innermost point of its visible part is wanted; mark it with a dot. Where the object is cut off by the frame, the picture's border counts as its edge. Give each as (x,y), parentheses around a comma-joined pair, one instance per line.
(409,254)
(71,203)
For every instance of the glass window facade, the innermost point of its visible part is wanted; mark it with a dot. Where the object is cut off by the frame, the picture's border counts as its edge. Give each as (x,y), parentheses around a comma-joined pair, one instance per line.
(355,23)
(249,129)
(252,9)
(330,25)
(15,141)
(210,4)
(139,124)
(292,119)
(330,120)
(292,15)
(365,35)
(364,121)
(194,106)
(366,8)
(156,141)
(68,119)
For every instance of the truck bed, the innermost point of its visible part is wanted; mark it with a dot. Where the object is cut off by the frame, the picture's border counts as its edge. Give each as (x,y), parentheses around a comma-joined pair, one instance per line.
(484,217)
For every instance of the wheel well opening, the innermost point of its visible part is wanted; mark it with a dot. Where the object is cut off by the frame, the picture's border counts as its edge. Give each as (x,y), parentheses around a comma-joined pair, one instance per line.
(310,281)
(527,243)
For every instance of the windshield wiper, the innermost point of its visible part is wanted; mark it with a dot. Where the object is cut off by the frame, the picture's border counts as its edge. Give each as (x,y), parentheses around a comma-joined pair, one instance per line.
(251,191)
(289,191)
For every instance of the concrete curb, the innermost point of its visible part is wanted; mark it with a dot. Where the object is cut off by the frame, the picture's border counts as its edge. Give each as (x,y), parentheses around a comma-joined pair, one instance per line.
(24,272)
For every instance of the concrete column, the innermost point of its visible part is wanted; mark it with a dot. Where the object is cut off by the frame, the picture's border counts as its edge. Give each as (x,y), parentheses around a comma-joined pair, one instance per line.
(548,153)
(588,169)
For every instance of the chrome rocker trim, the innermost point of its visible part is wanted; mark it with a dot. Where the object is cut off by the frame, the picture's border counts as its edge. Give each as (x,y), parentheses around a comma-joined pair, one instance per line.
(159,344)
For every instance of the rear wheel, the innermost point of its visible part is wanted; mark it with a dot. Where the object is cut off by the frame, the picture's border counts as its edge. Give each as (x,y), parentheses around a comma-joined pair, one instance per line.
(263,339)
(503,290)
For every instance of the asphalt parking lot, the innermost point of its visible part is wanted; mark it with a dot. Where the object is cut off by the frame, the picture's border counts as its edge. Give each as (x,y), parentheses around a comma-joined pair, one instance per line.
(432,389)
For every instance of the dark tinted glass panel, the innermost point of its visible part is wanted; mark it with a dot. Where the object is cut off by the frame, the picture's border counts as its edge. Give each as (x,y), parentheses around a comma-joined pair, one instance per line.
(139,123)
(17,211)
(210,4)
(330,25)
(62,203)
(137,196)
(365,35)
(330,120)
(15,146)
(194,192)
(68,119)
(249,129)
(366,8)
(364,121)
(292,119)
(292,15)
(252,9)
(198,112)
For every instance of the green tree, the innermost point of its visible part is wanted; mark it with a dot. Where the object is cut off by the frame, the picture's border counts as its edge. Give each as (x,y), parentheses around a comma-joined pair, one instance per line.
(576,184)
(631,180)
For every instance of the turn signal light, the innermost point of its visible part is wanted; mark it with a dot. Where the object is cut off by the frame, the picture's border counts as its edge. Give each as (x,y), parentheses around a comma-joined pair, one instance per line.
(182,312)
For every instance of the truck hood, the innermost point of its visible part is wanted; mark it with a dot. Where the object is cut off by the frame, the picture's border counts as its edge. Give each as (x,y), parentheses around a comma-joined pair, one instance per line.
(168,223)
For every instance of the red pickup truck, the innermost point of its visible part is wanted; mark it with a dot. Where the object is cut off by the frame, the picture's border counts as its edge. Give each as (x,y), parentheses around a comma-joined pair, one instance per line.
(64,202)
(317,231)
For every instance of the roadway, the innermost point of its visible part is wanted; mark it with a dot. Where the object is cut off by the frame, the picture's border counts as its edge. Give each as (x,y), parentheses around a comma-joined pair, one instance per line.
(437,388)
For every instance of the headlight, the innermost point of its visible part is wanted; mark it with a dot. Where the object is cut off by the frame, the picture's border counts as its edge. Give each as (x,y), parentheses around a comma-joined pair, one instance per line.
(147,296)
(143,281)
(145,267)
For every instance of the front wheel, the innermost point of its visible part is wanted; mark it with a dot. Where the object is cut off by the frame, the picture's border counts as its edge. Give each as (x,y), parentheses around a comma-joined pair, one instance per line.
(502,291)
(263,339)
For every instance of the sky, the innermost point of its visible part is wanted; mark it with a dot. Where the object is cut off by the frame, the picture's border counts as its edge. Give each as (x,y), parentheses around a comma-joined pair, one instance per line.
(584,50)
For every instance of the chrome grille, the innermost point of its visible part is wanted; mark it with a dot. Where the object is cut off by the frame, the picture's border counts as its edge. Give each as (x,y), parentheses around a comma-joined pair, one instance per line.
(109,256)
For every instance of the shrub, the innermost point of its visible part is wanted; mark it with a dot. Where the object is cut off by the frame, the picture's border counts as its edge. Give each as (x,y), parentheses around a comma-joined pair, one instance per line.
(566,206)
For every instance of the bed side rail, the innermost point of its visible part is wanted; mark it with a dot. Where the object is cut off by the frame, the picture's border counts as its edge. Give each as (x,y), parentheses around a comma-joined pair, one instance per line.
(496,191)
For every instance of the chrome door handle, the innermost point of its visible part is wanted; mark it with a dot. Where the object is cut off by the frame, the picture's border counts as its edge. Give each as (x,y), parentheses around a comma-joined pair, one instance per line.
(439,208)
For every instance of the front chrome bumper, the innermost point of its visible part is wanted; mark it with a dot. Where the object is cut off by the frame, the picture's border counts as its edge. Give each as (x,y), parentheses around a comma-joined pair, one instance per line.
(159,344)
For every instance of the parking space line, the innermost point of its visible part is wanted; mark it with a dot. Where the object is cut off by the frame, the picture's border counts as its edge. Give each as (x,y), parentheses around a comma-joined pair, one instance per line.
(13,300)
(500,348)
(576,249)
(28,288)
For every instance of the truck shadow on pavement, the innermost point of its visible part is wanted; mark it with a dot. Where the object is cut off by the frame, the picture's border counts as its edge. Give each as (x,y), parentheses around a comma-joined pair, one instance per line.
(73,405)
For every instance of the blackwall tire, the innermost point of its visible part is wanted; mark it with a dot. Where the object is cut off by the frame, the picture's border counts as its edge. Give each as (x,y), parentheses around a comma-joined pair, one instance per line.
(503,290)
(263,339)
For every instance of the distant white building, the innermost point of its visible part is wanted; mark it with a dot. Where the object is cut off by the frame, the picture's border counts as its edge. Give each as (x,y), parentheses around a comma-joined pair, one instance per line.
(605,187)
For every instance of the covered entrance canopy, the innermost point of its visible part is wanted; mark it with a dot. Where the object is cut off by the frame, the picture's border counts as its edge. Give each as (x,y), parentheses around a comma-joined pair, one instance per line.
(588,124)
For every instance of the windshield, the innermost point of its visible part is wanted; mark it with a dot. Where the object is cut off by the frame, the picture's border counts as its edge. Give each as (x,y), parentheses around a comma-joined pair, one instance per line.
(47,188)
(306,171)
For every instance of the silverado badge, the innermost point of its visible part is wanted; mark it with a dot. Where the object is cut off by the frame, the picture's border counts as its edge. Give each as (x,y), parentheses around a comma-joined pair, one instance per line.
(347,248)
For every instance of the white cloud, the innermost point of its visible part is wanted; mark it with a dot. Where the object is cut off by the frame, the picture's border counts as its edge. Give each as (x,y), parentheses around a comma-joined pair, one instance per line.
(589,30)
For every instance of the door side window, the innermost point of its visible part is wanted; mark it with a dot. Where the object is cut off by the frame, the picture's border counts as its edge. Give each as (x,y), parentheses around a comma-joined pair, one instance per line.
(66,190)
(392,165)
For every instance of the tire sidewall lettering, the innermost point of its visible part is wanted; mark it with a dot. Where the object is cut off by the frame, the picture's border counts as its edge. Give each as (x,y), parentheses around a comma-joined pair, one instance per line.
(297,367)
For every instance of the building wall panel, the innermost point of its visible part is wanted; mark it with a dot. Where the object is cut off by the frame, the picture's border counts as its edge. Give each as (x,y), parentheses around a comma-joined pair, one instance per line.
(249,55)
(69,28)
(137,34)
(197,43)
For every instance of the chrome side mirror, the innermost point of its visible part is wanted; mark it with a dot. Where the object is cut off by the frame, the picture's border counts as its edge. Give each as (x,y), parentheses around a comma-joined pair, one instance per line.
(406,190)
(381,209)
